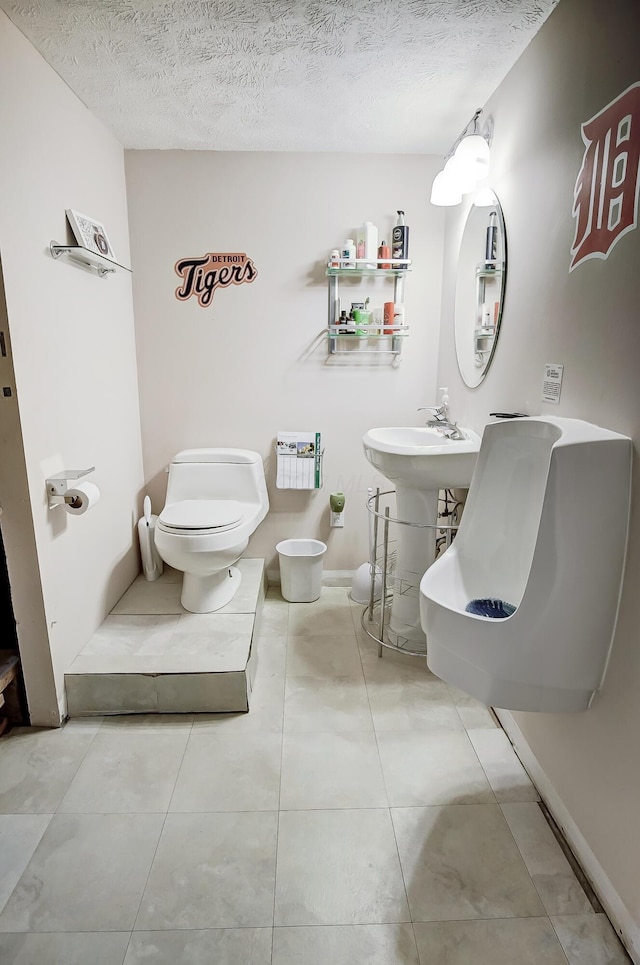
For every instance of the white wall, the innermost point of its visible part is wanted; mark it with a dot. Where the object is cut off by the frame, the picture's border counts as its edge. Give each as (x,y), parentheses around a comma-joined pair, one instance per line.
(20,545)
(588,320)
(255,361)
(74,360)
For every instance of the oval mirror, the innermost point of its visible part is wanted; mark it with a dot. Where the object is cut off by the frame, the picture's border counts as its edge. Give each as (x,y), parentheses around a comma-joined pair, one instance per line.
(480,285)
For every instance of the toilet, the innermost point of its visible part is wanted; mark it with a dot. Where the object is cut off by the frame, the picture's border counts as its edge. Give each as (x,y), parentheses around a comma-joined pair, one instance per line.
(520,611)
(216,499)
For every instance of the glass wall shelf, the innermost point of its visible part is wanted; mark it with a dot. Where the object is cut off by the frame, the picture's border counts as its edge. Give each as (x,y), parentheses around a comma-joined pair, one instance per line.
(397,331)
(487,331)
(485,271)
(483,342)
(343,342)
(393,335)
(398,265)
(84,256)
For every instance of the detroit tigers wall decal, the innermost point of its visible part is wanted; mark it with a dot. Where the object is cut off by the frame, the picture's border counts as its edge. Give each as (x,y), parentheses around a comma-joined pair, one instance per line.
(605,197)
(203,276)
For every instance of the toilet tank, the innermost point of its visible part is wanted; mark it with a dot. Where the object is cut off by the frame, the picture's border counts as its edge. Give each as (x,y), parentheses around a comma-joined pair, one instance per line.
(217,474)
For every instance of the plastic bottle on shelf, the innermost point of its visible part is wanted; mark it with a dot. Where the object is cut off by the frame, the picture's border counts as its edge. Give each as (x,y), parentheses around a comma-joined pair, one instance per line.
(360,245)
(383,253)
(348,254)
(492,241)
(334,258)
(375,321)
(370,244)
(400,239)
(361,321)
(388,317)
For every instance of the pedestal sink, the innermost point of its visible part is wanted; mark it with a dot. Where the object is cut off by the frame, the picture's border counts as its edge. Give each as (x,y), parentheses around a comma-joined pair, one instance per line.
(420,460)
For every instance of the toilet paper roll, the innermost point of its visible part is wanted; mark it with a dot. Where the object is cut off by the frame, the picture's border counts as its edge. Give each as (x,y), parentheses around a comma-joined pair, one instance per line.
(83,497)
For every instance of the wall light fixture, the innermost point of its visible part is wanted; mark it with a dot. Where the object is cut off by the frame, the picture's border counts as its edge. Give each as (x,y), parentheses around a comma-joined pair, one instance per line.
(466,163)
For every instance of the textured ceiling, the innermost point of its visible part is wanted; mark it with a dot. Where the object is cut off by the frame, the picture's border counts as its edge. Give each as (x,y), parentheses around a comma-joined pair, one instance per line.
(282,75)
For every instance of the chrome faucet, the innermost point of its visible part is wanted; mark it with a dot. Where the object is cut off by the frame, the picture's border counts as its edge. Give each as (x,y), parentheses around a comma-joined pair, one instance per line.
(441,421)
(440,413)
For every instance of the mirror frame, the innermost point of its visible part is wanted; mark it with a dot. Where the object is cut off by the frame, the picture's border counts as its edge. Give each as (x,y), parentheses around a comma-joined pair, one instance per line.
(465,327)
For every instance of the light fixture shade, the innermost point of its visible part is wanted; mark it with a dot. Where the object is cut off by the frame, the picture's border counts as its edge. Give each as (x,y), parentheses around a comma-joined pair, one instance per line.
(473,152)
(485,197)
(463,175)
(444,192)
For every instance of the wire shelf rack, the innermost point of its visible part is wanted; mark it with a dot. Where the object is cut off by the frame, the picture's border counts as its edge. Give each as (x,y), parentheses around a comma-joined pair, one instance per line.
(386,582)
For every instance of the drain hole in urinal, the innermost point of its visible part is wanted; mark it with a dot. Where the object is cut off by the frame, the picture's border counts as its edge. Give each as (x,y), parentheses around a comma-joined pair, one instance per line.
(494,609)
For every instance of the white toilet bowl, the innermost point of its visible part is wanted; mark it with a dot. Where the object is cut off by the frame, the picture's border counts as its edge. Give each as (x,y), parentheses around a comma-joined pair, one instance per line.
(216,499)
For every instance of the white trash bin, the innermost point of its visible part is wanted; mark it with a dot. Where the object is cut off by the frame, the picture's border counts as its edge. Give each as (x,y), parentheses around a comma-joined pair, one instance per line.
(301,569)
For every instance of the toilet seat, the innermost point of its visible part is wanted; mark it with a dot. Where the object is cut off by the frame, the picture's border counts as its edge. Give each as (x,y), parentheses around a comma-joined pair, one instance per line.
(192,516)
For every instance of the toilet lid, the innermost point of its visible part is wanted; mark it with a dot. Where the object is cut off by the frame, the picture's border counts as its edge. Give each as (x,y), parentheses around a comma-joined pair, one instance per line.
(202,514)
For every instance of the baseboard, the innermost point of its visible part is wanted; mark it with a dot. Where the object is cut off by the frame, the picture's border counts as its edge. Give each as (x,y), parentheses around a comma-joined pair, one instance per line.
(329,577)
(616,910)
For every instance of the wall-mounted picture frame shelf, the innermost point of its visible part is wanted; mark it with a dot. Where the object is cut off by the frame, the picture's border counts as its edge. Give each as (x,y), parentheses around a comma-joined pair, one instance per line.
(91,259)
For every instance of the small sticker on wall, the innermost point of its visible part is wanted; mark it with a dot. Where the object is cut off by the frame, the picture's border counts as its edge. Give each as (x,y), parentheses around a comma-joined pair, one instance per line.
(203,276)
(552,382)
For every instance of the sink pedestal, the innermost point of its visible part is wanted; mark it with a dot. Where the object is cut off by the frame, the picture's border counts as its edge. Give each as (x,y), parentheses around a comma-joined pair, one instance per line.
(416,547)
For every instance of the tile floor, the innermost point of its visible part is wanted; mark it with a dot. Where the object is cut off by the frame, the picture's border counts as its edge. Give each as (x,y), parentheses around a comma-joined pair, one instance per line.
(362,812)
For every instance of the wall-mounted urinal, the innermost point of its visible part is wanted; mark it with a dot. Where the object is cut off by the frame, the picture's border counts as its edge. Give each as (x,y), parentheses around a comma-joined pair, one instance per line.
(538,560)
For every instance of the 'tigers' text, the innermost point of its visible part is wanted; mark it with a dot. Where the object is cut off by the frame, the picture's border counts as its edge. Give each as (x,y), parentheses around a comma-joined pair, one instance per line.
(203,276)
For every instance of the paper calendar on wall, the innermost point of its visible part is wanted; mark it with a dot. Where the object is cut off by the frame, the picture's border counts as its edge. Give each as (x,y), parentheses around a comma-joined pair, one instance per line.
(299,460)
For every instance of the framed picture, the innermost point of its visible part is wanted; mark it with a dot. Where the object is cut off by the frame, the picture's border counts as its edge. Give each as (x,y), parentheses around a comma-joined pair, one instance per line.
(90,233)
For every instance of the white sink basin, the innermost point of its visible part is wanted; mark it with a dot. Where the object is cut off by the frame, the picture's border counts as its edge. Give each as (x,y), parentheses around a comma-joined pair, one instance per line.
(421,457)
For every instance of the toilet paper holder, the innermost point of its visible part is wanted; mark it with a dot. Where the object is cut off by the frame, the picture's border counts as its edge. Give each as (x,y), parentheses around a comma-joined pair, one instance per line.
(58,485)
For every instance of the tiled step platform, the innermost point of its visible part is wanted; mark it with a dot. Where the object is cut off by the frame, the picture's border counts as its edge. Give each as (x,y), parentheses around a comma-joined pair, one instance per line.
(152,656)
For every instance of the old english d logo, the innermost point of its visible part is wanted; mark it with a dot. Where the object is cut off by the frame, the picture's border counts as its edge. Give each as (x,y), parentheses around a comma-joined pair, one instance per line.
(203,276)
(605,202)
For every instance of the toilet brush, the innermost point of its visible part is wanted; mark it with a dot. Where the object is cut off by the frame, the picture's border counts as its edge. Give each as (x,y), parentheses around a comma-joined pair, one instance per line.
(151,562)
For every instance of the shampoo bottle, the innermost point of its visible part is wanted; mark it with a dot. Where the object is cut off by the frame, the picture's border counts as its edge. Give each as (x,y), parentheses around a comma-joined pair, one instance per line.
(400,240)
